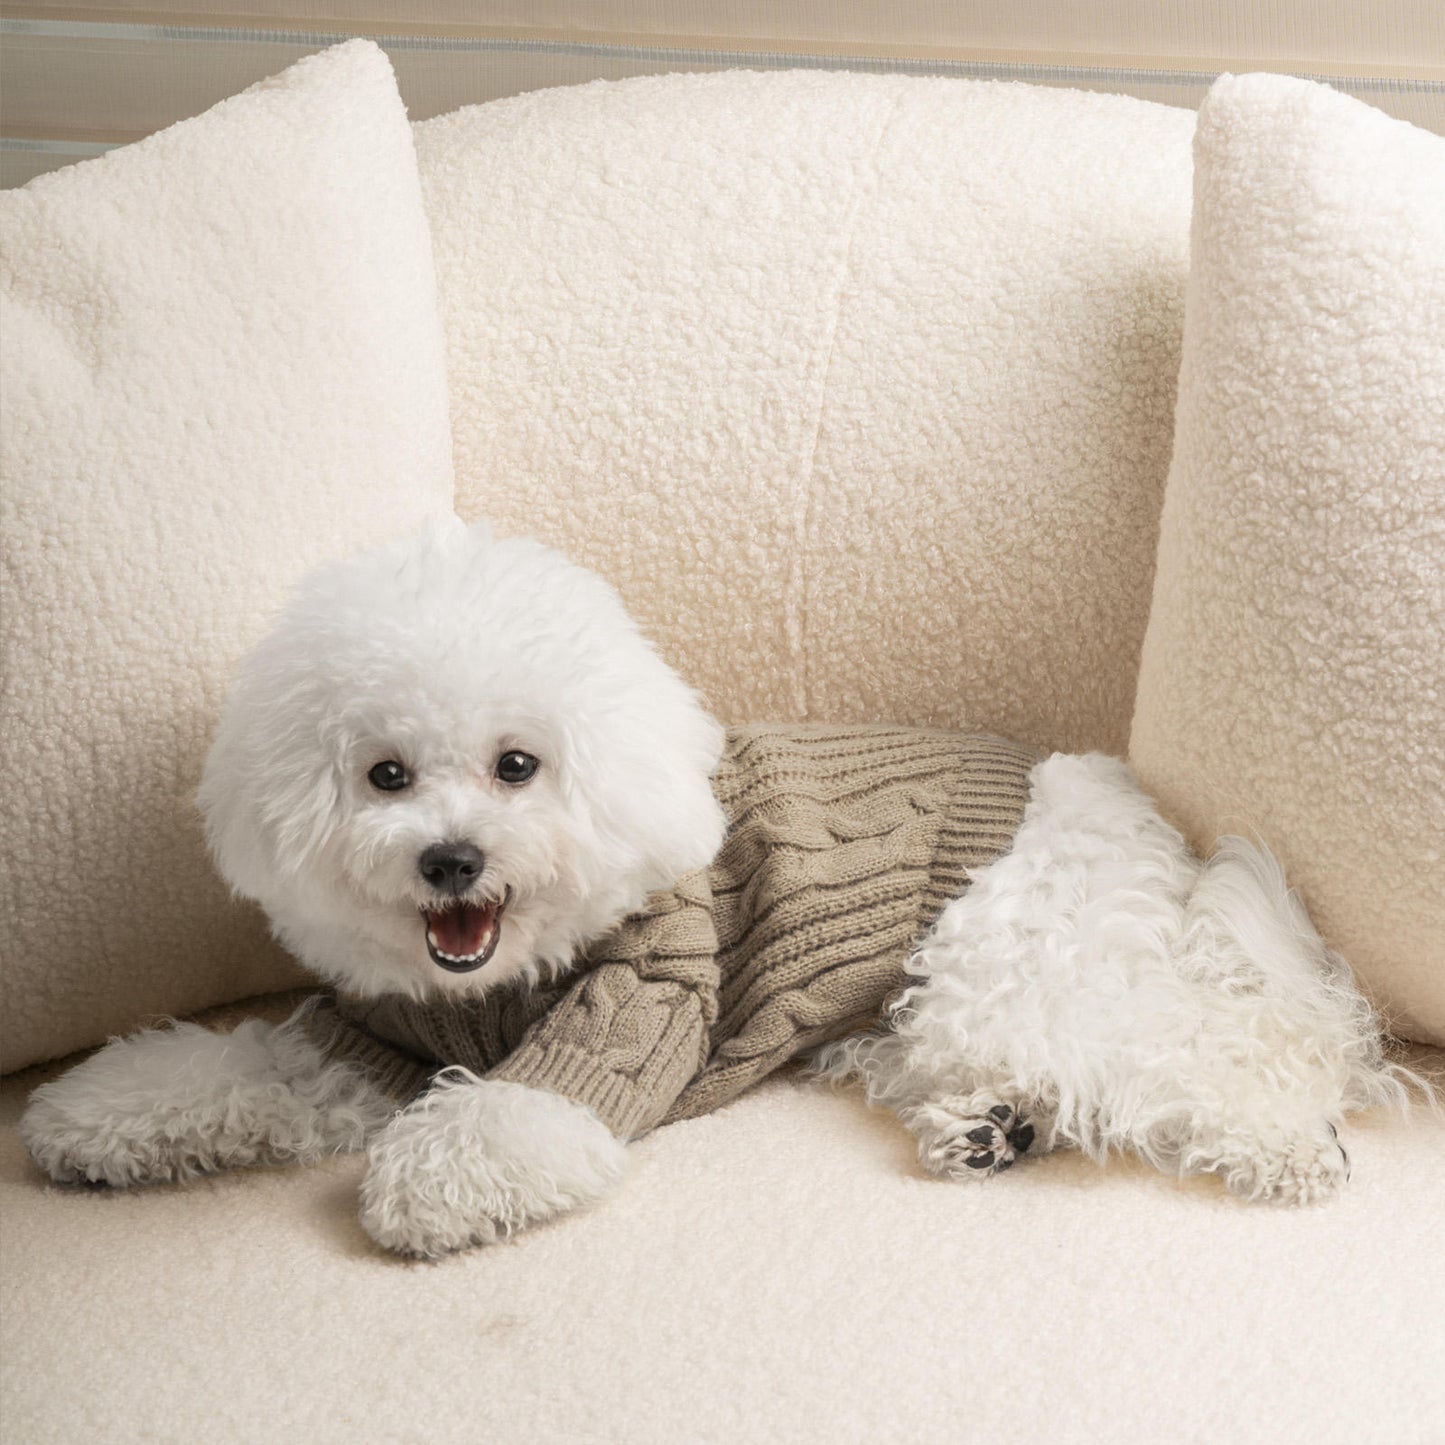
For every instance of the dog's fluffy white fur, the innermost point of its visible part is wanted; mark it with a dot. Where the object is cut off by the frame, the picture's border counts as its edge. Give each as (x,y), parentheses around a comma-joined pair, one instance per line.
(1097,986)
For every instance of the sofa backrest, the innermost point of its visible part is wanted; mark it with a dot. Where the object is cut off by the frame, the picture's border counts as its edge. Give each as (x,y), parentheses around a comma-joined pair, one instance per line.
(859,388)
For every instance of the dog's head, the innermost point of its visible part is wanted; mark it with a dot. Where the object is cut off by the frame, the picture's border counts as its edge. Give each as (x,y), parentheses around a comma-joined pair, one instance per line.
(455,760)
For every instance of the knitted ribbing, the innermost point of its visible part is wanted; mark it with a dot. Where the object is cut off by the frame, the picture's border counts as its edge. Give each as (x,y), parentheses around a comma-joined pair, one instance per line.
(843,846)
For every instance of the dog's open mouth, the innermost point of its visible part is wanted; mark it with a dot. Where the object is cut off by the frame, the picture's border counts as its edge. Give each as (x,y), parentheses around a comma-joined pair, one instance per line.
(463,936)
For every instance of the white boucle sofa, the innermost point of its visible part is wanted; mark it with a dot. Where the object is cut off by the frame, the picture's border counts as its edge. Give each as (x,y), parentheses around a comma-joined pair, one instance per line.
(861,389)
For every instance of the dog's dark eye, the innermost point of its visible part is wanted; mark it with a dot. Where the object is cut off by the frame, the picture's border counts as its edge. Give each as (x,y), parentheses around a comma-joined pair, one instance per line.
(516,767)
(389,776)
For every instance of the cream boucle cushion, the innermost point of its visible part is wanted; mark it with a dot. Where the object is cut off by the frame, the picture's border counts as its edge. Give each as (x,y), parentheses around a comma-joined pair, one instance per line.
(222,363)
(859,387)
(1293,679)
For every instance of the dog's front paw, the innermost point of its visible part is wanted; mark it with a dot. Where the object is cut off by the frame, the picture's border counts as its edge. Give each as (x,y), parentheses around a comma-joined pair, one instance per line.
(167,1105)
(130,1114)
(73,1146)
(472,1162)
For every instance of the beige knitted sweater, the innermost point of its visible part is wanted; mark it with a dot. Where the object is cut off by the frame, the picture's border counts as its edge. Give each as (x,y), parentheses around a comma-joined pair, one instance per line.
(844,844)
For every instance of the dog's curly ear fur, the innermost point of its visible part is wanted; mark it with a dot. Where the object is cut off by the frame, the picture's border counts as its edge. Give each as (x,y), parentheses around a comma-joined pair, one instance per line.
(270,792)
(644,771)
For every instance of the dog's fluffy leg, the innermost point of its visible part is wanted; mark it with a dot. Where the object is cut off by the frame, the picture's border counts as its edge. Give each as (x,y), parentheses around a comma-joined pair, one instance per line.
(1135,998)
(173,1103)
(474,1161)
(1031,985)
(1286,1044)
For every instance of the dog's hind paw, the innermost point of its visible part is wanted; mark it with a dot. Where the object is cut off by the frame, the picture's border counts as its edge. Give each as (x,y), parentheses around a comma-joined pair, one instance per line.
(1305,1169)
(969,1136)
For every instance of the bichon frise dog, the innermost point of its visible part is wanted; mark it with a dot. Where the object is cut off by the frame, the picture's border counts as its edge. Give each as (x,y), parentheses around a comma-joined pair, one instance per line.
(559,906)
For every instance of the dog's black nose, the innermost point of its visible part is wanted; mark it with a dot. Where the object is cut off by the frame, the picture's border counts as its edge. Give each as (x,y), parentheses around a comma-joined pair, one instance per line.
(451,867)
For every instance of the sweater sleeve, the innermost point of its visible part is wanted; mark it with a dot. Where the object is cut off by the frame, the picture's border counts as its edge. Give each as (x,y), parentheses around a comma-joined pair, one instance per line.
(631,1033)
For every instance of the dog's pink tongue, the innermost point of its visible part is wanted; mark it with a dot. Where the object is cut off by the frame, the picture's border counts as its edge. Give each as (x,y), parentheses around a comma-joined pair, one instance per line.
(461,931)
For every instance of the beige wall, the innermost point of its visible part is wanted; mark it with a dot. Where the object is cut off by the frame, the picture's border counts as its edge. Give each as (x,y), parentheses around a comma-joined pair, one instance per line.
(1395,35)
(75,77)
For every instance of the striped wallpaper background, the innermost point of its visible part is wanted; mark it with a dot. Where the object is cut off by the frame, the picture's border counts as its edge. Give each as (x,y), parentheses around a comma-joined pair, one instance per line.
(77,80)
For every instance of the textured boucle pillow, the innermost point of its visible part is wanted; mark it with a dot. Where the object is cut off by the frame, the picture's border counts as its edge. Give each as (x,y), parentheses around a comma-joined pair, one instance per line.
(1293,678)
(222,363)
(858,387)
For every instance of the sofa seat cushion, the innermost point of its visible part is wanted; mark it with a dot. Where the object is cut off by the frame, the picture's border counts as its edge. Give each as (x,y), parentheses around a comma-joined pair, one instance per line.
(777,1271)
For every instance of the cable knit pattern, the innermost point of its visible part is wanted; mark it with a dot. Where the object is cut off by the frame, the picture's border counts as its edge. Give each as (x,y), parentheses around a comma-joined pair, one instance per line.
(844,845)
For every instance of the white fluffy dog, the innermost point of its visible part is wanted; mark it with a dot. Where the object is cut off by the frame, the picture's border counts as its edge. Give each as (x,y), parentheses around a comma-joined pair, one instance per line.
(455,762)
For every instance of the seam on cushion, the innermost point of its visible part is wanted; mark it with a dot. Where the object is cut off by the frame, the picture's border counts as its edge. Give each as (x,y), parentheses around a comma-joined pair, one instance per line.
(796,617)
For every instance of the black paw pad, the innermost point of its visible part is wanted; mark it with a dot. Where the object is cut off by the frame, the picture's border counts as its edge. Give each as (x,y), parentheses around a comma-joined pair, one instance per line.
(1001,1112)
(1021,1138)
(984,1134)
(980,1161)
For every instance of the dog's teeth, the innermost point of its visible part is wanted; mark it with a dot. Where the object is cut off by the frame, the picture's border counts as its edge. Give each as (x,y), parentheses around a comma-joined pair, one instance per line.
(463,957)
